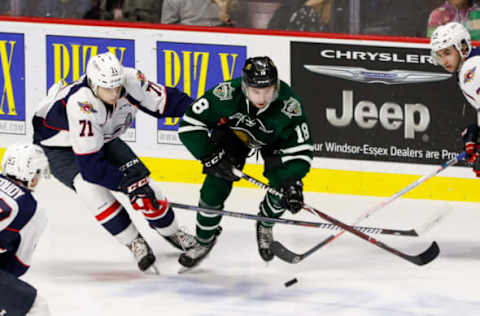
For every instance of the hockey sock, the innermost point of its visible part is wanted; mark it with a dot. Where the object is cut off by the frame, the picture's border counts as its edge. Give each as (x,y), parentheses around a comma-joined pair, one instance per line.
(270,207)
(207,224)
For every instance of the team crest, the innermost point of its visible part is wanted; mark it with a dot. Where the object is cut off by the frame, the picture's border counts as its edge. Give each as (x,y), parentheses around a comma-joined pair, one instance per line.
(141,78)
(291,108)
(469,75)
(87,107)
(224,91)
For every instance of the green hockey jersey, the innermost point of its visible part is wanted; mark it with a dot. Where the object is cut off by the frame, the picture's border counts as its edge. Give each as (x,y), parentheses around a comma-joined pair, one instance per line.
(280,128)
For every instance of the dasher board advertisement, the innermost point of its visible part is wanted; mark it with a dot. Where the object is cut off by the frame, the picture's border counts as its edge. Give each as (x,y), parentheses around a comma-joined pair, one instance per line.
(378,102)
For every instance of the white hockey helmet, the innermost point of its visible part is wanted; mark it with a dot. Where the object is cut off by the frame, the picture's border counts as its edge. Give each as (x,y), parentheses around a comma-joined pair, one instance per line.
(105,70)
(23,162)
(451,34)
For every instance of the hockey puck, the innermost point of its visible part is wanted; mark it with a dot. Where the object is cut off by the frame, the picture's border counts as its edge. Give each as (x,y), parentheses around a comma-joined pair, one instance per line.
(291,282)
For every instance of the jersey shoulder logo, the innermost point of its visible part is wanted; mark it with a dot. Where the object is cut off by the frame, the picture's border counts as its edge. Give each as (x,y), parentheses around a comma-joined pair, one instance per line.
(469,75)
(224,91)
(87,107)
(141,77)
(291,107)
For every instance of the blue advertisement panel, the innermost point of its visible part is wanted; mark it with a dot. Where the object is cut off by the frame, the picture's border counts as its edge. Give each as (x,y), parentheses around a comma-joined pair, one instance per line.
(194,69)
(12,81)
(67,58)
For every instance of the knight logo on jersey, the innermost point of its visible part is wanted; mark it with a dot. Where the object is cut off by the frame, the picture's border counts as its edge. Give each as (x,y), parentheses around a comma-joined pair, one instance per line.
(469,75)
(291,107)
(87,107)
(141,78)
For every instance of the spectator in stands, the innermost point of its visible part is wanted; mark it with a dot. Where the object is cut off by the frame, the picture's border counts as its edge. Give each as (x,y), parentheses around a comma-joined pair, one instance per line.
(234,13)
(133,10)
(68,9)
(451,11)
(188,12)
(301,15)
(5,8)
(96,12)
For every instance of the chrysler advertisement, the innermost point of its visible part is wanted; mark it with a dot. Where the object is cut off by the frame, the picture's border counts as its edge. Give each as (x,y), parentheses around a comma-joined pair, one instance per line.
(379,103)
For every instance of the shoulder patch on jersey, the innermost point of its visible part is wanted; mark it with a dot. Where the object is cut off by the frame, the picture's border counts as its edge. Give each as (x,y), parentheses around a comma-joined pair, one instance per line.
(141,77)
(291,107)
(224,91)
(469,75)
(86,107)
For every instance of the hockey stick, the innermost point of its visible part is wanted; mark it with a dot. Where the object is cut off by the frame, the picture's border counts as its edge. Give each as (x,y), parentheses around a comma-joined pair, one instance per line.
(421,259)
(289,256)
(285,254)
(329,226)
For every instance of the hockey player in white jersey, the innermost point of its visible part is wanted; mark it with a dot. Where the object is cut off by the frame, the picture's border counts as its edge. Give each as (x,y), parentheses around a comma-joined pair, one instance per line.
(451,48)
(21,225)
(78,125)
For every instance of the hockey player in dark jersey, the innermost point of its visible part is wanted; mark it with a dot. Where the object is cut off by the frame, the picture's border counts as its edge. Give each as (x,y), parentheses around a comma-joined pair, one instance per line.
(78,125)
(254,112)
(21,225)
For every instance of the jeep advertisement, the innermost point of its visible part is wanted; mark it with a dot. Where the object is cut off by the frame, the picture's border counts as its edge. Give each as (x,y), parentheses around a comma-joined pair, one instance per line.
(379,103)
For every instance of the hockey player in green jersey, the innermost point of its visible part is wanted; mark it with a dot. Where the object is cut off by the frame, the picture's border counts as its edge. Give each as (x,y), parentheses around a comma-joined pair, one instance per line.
(256,112)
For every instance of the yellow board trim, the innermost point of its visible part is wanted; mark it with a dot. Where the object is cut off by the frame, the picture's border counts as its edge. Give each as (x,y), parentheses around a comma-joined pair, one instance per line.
(334,181)
(331,181)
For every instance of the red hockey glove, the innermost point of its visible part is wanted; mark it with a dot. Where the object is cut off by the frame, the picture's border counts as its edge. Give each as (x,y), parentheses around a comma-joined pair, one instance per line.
(141,194)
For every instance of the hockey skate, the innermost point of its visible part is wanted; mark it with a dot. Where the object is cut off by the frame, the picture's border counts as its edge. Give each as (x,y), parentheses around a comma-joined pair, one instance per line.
(142,253)
(181,240)
(264,240)
(192,257)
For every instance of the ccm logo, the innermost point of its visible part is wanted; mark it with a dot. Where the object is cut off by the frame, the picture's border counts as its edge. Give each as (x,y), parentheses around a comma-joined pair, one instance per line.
(137,185)
(414,117)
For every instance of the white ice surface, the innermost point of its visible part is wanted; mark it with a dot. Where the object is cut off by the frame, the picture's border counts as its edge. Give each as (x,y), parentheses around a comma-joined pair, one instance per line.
(81,270)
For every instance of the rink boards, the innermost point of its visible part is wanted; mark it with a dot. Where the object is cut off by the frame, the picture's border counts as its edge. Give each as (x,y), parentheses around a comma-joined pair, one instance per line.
(381,114)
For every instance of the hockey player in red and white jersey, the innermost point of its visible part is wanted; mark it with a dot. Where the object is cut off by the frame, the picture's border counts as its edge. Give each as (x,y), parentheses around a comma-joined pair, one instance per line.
(78,125)
(451,48)
(22,223)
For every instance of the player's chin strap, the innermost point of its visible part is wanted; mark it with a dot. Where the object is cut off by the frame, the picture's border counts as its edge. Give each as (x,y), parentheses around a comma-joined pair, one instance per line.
(428,255)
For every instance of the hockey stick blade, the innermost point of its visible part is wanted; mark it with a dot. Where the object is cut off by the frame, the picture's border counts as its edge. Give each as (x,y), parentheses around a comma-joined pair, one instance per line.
(289,256)
(282,252)
(421,259)
(427,256)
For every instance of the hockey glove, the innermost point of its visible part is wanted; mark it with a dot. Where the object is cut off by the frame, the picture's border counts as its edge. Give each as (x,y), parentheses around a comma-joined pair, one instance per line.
(469,137)
(292,199)
(140,193)
(218,164)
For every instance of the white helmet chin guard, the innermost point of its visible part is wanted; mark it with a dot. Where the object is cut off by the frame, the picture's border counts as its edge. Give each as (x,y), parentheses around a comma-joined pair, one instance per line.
(104,70)
(23,162)
(450,34)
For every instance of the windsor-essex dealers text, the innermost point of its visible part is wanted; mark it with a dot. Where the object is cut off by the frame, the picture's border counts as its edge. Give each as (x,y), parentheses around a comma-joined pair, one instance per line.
(367,149)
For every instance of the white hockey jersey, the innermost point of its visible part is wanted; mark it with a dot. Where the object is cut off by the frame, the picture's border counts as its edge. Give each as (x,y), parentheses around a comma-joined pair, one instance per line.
(21,224)
(85,123)
(72,116)
(469,82)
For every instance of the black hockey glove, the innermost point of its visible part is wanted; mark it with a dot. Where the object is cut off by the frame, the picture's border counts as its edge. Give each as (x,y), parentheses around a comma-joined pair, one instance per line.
(218,164)
(469,137)
(292,199)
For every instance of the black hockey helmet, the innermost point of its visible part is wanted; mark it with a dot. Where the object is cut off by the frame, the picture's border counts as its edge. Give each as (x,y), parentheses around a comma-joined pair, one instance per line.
(259,72)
